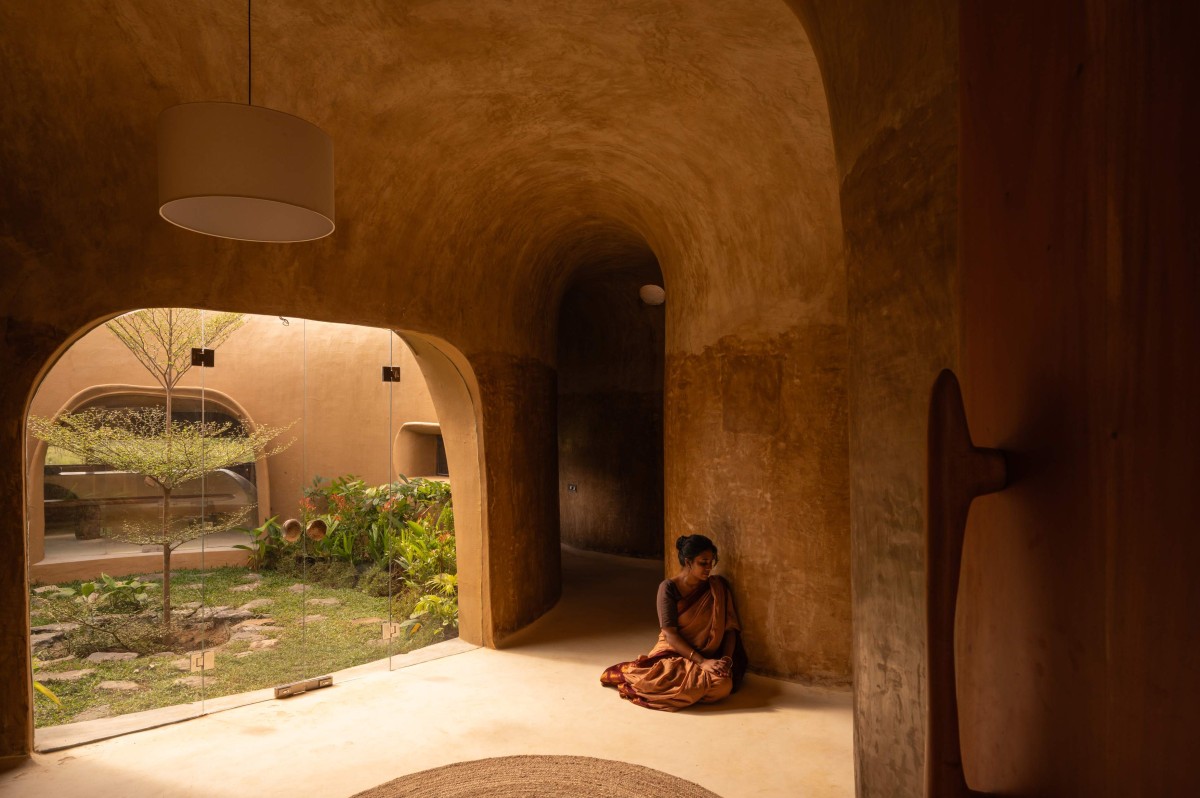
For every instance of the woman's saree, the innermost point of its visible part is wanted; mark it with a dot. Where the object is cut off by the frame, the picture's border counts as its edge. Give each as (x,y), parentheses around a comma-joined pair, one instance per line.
(666,680)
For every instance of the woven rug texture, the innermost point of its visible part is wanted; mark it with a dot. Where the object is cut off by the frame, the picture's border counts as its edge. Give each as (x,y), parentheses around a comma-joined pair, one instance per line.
(539,777)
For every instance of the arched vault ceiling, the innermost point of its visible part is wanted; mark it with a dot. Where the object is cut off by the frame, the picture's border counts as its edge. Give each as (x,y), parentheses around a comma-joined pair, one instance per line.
(482,148)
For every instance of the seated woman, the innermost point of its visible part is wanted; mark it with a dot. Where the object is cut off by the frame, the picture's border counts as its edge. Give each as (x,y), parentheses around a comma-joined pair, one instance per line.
(698,657)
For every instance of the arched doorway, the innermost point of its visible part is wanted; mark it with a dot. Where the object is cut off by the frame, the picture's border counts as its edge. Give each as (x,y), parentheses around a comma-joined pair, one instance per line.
(610,399)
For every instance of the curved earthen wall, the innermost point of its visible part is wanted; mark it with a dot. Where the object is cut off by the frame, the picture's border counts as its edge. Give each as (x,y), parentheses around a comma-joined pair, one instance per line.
(1079,631)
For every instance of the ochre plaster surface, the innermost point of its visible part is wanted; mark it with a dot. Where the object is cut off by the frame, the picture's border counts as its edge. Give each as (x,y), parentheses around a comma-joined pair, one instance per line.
(1079,636)
(485,153)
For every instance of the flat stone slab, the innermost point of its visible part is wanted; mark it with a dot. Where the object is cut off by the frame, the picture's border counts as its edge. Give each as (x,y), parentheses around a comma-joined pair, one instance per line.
(257,604)
(244,588)
(265,629)
(45,639)
(312,618)
(252,577)
(212,612)
(54,627)
(244,654)
(123,686)
(252,622)
(192,586)
(299,588)
(57,660)
(94,713)
(325,602)
(111,656)
(261,645)
(247,636)
(64,676)
(234,615)
(365,621)
(45,588)
(184,664)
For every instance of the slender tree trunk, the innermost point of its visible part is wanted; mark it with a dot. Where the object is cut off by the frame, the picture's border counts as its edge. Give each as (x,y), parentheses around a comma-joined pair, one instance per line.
(166,580)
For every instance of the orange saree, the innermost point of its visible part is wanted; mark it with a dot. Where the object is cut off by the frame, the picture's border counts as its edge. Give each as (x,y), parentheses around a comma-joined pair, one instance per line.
(663,679)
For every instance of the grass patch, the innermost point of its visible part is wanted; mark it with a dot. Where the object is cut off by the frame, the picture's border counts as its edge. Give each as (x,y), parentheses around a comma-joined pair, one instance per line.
(307,646)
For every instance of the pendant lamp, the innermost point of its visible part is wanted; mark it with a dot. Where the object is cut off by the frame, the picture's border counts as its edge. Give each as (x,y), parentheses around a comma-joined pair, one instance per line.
(243,171)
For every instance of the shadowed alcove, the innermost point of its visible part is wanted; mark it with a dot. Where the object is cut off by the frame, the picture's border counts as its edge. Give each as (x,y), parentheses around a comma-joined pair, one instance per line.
(610,372)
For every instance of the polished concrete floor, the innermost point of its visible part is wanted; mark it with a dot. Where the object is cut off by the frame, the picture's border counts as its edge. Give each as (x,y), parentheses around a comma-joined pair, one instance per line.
(539,695)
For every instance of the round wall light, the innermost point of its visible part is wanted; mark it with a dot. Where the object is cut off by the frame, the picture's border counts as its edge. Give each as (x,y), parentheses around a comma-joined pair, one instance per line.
(652,294)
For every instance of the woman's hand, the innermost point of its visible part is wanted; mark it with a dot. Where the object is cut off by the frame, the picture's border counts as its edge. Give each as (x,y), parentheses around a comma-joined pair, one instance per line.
(716,667)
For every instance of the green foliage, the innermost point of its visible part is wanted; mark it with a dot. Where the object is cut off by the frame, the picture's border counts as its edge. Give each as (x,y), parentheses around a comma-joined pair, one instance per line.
(136,633)
(437,608)
(168,453)
(331,645)
(333,574)
(401,535)
(138,439)
(107,595)
(409,523)
(266,542)
(376,581)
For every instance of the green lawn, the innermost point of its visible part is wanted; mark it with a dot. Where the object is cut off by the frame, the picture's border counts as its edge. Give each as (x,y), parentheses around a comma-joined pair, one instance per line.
(304,649)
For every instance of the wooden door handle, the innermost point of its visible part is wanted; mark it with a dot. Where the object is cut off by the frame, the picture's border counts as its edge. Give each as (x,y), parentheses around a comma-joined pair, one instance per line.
(957,472)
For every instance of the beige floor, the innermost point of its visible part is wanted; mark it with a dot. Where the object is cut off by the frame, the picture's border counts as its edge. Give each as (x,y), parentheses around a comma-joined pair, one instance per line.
(539,695)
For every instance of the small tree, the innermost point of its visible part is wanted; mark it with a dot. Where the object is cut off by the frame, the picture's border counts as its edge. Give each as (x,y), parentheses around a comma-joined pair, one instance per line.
(169,454)
(162,339)
(150,442)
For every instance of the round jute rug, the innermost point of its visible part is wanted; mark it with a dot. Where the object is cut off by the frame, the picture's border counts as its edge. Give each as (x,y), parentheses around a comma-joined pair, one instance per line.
(538,777)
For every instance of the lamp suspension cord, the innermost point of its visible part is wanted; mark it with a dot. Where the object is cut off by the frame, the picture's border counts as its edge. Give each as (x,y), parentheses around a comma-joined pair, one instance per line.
(249,58)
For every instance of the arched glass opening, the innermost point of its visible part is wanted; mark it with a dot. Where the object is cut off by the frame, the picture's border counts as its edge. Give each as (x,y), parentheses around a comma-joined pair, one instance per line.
(258,538)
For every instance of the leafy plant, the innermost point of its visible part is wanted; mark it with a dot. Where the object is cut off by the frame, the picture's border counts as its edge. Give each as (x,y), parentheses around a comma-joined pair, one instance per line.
(371,523)
(108,612)
(440,606)
(107,594)
(266,541)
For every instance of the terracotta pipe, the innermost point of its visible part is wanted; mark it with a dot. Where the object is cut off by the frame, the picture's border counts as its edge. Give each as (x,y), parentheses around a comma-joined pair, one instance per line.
(957,472)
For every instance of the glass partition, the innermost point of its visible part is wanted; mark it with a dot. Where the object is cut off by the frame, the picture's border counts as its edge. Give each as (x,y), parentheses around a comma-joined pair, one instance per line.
(243,518)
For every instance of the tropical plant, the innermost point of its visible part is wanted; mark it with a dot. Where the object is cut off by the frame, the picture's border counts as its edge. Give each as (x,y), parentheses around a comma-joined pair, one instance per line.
(107,594)
(440,606)
(371,523)
(109,611)
(266,540)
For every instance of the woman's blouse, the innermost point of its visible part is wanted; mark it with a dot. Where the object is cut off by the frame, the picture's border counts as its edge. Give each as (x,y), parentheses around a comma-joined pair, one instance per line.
(668,604)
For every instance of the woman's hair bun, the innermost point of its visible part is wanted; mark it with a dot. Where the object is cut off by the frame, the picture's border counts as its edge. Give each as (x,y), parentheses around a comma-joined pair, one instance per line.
(691,546)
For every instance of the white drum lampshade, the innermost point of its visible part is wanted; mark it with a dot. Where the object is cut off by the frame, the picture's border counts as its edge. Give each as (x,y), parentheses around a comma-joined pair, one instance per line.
(244,172)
